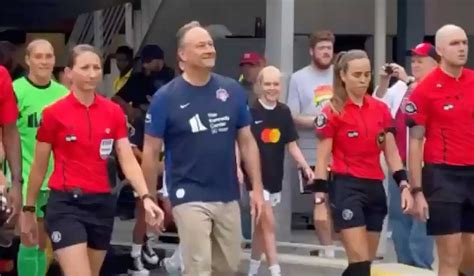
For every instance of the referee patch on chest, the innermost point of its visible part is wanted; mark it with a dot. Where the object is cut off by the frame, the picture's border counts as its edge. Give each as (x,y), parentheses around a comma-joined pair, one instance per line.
(321,120)
(106,147)
(410,108)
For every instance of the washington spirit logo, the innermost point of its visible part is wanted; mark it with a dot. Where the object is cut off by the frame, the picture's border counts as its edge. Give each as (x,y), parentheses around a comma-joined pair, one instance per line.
(222,94)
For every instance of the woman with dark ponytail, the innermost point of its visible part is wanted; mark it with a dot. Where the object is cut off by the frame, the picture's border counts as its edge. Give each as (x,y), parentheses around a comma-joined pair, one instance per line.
(354,128)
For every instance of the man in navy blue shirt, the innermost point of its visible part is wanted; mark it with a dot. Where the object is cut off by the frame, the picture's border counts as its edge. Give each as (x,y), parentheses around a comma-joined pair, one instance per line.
(199,116)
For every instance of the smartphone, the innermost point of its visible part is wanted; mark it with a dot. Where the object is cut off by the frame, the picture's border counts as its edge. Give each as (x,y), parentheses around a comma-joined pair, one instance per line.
(388,69)
(303,182)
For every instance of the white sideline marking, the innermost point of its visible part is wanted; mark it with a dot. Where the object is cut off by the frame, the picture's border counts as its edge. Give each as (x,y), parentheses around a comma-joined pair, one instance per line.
(283,258)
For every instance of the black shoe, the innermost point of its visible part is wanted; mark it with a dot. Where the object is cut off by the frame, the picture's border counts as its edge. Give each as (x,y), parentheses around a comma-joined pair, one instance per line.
(138,268)
(149,255)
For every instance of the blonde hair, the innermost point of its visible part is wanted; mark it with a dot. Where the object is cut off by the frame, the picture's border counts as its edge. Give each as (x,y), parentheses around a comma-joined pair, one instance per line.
(341,64)
(79,49)
(36,42)
(257,87)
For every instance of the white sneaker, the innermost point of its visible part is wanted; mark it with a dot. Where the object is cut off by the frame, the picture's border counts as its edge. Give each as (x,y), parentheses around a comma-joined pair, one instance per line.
(170,266)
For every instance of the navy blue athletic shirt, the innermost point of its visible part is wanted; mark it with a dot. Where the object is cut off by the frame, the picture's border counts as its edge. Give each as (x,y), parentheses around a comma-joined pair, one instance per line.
(199,125)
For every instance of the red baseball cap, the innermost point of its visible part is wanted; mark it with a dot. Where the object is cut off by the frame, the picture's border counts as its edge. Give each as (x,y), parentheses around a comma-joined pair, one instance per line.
(425,50)
(252,58)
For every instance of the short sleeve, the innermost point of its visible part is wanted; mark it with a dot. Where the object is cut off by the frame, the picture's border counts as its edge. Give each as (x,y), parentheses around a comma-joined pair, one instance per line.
(416,107)
(47,128)
(121,124)
(244,117)
(326,123)
(293,101)
(157,115)
(292,134)
(8,105)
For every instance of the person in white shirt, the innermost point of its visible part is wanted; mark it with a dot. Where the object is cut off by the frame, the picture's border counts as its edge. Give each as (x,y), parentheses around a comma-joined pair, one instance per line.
(309,90)
(412,245)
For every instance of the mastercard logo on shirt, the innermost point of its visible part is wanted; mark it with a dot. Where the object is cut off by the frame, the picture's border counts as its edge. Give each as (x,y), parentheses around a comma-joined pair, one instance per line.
(270,135)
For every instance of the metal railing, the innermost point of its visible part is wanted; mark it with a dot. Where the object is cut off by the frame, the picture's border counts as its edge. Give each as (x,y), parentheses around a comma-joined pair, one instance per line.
(98,28)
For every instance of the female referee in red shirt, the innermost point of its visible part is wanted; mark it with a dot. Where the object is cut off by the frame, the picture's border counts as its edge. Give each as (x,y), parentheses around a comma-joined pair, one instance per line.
(355,128)
(81,130)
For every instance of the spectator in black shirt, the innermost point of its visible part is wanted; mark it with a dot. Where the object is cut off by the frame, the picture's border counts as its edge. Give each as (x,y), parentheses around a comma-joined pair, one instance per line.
(136,94)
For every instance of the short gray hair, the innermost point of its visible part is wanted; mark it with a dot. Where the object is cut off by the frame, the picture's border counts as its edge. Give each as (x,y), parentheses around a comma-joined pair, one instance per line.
(185,29)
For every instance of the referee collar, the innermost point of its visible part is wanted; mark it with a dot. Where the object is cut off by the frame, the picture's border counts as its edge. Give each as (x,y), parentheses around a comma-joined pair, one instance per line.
(72,99)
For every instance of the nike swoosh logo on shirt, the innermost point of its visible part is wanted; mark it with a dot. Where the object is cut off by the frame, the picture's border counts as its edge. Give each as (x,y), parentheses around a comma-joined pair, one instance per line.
(258,122)
(183,106)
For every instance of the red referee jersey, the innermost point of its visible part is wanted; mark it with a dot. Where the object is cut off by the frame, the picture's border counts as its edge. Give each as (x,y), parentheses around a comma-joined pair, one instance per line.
(444,105)
(8,107)
(82,139)
(358,137)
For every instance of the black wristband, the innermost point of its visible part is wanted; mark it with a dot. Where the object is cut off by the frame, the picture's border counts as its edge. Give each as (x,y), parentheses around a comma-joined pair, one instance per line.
(416,190)
(399,176)
(319,186)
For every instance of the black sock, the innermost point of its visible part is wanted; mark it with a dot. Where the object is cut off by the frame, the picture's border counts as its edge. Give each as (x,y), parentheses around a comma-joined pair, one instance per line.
(357,269)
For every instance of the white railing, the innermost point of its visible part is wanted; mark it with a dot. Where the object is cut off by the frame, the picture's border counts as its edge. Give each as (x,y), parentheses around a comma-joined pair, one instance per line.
(98,28)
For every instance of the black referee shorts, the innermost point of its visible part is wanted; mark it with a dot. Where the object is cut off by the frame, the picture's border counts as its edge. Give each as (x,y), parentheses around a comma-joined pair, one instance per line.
(449,191)
(73,218)
(357,202)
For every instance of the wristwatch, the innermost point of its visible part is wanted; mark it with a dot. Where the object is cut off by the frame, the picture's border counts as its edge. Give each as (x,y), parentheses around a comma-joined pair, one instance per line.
(410,81)
(27,208)
(319,200)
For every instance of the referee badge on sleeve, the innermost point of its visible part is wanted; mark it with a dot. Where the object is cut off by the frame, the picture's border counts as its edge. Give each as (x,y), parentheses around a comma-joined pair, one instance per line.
(380,138)
(410,108)
(321,121)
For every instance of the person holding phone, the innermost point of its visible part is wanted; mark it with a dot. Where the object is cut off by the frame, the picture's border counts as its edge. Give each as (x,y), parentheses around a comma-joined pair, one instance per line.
(354,129)
(309,90)
(412,245)
(274,131)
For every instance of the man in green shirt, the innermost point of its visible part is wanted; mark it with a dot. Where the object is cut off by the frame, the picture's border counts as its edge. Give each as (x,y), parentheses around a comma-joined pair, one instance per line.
(34,92)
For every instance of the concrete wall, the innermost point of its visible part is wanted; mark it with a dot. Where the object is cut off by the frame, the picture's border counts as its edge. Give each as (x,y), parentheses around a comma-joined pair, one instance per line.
(238,15)
(341,16)
(440,12)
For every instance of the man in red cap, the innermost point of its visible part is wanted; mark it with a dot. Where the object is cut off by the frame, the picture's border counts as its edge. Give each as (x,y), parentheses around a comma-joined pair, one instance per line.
(412,245)
(250,65)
